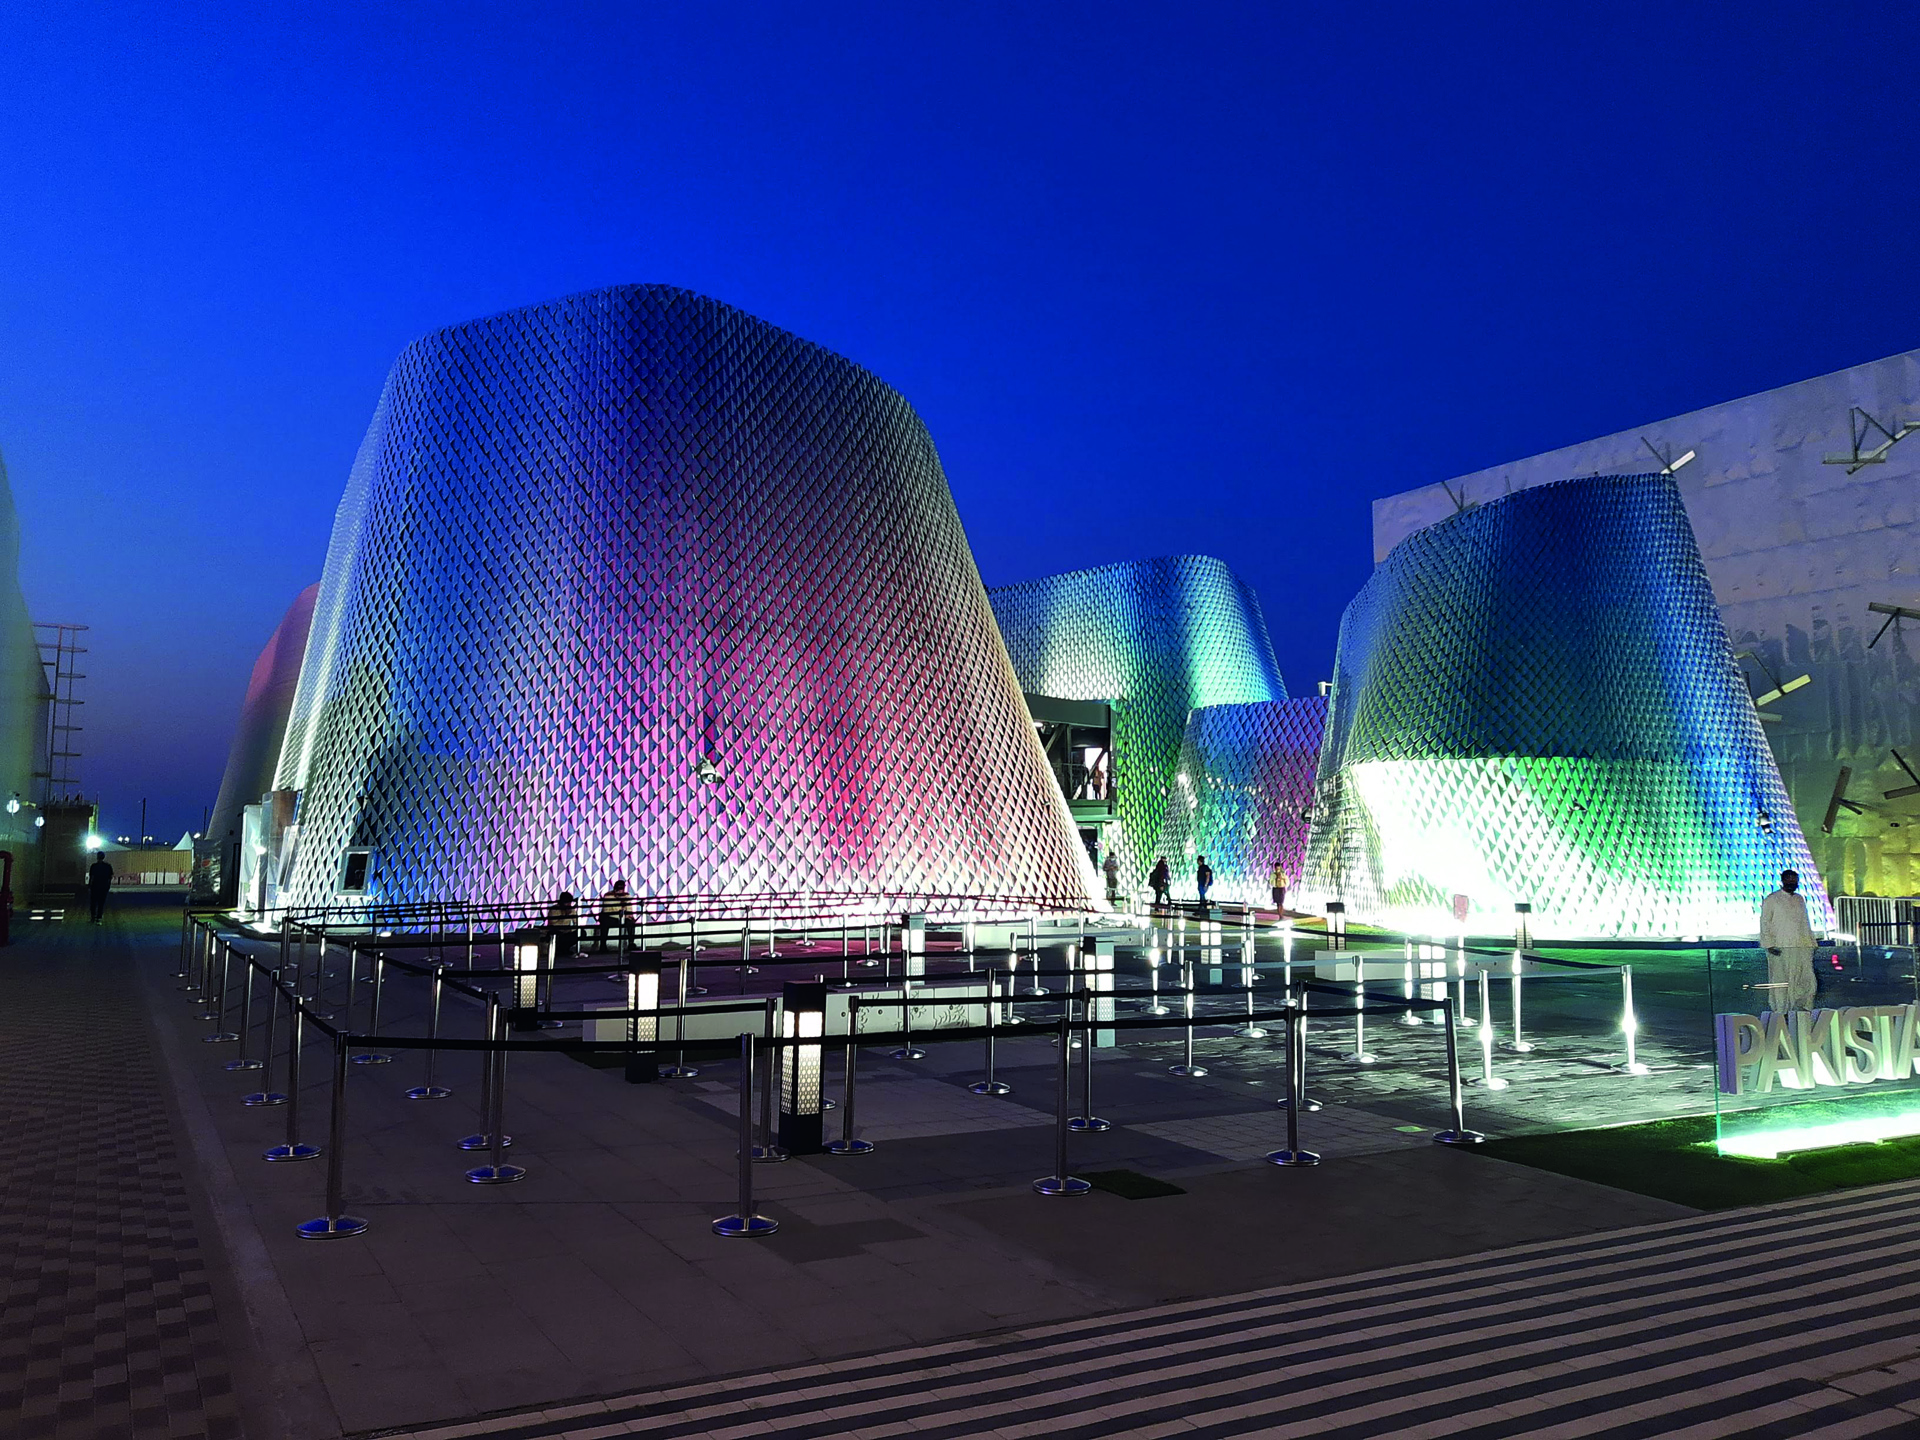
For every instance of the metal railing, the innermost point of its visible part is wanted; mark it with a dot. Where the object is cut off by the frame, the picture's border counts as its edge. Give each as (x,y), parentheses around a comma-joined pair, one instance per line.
(223,972)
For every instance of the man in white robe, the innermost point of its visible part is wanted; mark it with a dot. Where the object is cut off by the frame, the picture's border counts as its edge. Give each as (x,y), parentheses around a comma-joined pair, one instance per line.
(1787,938)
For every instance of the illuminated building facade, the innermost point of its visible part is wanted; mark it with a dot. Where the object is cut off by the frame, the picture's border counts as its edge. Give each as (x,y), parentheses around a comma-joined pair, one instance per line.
(1536,701)
(255,752)
(1155,639)
(633,585)
(1800,541)
(1243,797)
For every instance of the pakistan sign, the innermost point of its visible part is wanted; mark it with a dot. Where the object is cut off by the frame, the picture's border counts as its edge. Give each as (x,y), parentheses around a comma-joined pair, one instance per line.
(1799,1049)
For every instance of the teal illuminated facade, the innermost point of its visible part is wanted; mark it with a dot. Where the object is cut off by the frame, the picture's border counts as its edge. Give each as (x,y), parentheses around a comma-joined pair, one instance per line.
(1157,640)
(1535,701)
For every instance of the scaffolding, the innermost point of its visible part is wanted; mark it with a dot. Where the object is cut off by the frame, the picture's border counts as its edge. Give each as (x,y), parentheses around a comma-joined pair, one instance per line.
(60,652)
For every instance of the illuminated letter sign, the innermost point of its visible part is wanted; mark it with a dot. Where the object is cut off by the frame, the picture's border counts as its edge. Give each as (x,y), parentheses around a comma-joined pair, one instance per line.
(1799,1049)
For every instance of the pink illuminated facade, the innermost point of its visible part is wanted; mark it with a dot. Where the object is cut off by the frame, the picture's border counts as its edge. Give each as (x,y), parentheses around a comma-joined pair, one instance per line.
(633,585)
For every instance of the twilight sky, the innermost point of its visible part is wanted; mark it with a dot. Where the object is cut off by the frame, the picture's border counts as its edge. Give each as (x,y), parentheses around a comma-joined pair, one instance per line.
(1158,278)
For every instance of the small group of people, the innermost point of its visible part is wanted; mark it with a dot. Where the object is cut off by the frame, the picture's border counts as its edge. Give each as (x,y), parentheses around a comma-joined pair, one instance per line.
(615,917)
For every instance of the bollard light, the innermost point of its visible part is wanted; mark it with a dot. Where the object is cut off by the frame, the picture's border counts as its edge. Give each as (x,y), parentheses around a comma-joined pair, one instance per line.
(1336,925)
(1096,973)
(803,1023)
(913,944)
(526,947)
(1522,927)
(643,1031)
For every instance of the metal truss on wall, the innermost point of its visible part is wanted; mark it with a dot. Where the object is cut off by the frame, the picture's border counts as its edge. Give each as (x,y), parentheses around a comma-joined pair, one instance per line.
(1243,796)
(1156,639)
(1535,701)
(633,585)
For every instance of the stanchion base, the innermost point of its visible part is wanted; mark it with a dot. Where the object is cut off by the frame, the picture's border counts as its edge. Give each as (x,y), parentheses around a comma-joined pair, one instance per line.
(750,1226)
(1361,1057)
(1409,1020)
(1193,1071)
(991,1087)
(769,1155)
(551,1025)
(1036,990)
(1458,1137)
(1081,1124)
(1252,1032)
(1490,1082)
(219,1037)
(428,1092)
(849,1147)
(331,1227)
(1308,1105)
(1155,1010)
(1634,1069)
(1292,1157)
(907,1052)
(291,1152)
(678,1072)
(243,1064)
(264,1097)
(495,1174)
(483,1142)
(371,1058)
(826,1104)
(1519,1047)
(1061,1185)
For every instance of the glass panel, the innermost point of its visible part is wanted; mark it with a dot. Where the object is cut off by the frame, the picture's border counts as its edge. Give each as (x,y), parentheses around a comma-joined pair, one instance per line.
(1838,1073)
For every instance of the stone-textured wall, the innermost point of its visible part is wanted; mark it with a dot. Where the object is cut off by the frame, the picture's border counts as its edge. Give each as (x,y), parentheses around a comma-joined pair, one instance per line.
(1795,550)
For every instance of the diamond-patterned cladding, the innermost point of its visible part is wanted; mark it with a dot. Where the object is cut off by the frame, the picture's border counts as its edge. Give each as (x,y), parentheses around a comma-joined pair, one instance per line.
(1156,639)
(586,546)
(1535,701)
(1242,796)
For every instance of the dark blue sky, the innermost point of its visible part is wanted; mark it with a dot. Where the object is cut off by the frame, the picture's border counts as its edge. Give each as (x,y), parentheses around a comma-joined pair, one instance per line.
(1159,278)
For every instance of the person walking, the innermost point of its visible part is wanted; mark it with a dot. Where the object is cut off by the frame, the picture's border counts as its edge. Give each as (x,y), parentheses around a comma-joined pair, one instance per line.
(1111,869)
(1277,882)
(616,913)
(99,882)
(1787,937)
(1160,881)
(1203,881)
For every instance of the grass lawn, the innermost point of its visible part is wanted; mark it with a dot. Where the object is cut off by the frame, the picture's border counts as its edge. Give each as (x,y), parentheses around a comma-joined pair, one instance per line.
(1675,1160)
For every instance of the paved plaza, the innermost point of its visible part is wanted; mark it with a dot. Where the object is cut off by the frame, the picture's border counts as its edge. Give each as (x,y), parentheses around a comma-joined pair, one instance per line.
(920,1287)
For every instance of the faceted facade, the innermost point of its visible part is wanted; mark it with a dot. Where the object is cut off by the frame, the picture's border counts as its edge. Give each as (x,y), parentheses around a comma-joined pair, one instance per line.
(1535,701)
(1243,797)
(1156,639)
(255,753)
(633,585)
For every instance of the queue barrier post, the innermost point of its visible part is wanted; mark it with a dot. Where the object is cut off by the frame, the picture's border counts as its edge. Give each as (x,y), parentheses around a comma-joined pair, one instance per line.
(768,1151)
(1297,1097)
(293,1148)
(1629,1024)
(992,1084)
(495,1171)
(270,1096)
(1086,1122)
(375,1057)
(429,1089)
(333,1225)
(1293,1155)
(1187,1068)
(1519,1044)
(245,1060)
(1360,1055)
(487,1137)
(1487,1079)
(847,1144)
(745,1222)
(1060,1182)
(1457,1133)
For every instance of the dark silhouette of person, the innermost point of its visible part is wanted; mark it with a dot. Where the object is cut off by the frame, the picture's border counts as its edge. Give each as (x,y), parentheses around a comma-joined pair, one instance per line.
(99,882)
(1203,881)
(1160,879)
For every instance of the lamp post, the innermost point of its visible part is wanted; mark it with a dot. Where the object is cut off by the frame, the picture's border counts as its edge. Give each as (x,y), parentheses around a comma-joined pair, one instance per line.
(643,1031)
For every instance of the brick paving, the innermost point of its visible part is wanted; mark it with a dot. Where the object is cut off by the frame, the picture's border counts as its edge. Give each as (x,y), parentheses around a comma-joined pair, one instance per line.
(108,1324)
